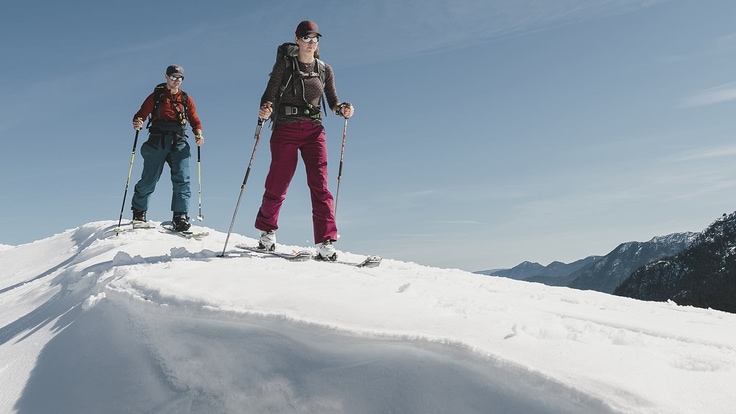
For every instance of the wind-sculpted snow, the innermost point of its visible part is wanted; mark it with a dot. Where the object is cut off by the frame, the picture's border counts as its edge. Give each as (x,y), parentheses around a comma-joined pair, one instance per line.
(149,322)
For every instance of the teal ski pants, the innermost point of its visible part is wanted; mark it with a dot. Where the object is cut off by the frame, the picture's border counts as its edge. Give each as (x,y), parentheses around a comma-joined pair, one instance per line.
(166,148)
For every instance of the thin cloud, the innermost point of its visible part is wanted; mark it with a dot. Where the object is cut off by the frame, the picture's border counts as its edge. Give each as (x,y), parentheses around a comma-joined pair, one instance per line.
(707,153)
(725,44)
(439,25)
(457,222)
(420,193)
(162,43)
(710,96)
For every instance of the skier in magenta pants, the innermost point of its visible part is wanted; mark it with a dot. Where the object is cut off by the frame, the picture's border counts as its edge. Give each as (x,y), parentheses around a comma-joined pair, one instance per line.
(297,127)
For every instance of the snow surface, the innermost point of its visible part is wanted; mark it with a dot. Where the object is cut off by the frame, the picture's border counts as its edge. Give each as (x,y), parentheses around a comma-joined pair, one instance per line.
(150,322)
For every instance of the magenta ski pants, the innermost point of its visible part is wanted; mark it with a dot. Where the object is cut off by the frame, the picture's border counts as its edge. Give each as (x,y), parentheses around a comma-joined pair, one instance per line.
(287,141)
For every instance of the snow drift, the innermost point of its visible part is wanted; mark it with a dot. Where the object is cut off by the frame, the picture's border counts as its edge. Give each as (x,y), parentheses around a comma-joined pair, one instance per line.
(150,322)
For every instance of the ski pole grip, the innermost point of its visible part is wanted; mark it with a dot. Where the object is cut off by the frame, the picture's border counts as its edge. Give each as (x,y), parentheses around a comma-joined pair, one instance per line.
(265,105)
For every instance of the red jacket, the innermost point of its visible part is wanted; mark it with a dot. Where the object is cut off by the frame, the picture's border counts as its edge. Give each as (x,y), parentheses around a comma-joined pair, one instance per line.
(168,110)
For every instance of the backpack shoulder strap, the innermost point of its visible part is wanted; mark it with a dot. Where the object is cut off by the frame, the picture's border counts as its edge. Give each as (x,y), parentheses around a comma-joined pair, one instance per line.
(185,101)
(321,70)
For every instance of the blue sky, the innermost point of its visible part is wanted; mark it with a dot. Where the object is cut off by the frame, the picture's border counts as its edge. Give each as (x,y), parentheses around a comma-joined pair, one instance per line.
(486,132)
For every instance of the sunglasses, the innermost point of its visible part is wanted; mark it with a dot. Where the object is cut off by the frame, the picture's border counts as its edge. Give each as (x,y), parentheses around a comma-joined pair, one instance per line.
(176,78)
(307,39)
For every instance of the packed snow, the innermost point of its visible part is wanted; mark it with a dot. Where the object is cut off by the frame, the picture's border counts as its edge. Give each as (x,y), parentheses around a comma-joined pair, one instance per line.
(146,321)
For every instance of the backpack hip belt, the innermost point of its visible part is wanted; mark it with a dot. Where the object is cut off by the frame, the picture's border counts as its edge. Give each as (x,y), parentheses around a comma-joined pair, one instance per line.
(309,111)
(290,110)
(159,126)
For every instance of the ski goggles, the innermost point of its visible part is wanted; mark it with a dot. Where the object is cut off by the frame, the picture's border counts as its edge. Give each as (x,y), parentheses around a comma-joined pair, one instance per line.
(307,39)
(176,78)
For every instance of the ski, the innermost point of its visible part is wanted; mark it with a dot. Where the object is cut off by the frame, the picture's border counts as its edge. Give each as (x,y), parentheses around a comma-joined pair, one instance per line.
(137,224)
(297,256)
(304,255)
(370,261)
(188,234)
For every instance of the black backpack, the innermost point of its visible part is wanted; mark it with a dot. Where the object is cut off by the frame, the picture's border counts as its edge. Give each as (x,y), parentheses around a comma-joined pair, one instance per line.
(158,94)
(289,52)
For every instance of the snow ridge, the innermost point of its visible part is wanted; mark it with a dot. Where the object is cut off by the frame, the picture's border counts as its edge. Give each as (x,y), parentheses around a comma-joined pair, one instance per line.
(201,333)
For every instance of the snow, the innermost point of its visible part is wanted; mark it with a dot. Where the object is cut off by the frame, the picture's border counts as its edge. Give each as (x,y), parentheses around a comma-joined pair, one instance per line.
(150,322)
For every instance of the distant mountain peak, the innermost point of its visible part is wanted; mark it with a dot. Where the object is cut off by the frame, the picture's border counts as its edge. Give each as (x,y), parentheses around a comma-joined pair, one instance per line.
(703,274)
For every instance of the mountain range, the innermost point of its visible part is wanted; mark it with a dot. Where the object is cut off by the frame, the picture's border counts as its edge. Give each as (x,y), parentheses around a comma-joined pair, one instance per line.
(703,275)
(697,269)
(601,273)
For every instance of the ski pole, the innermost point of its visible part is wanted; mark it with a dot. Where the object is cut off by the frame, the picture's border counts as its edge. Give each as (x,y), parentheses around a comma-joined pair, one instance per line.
(127,182)
(257,137)
(200,217)
(342,156)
